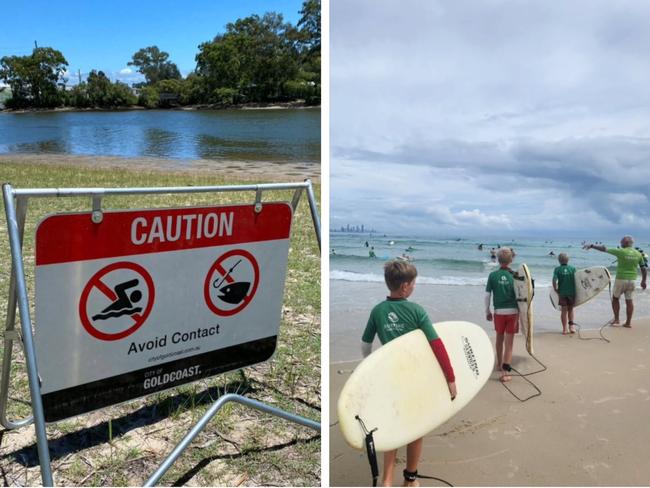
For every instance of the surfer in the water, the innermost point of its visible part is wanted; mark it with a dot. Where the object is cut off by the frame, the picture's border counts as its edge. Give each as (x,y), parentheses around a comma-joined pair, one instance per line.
(564,283)
(391,319)
(628,260)
(501,286)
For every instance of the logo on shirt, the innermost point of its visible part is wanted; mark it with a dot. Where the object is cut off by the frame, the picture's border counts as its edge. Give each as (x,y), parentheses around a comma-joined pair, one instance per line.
(392,316)
(504,279)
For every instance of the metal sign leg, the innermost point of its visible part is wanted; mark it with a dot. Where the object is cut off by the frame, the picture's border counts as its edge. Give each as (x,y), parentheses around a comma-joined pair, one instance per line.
(28,342)
(10,333)
(314,210)
(201,424)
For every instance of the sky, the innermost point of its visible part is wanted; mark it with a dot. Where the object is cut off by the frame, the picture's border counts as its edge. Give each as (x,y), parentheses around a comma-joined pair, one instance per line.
(487,118)
(105,35)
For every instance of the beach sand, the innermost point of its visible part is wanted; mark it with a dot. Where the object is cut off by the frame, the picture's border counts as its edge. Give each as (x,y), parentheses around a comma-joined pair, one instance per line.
(261,171)
(589,427)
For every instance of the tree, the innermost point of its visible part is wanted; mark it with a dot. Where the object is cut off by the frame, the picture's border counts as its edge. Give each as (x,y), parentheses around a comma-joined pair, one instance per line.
(154,65)
(309,25)
(101,92)
(78,96)
(254,57)
(35,79)
(99,88)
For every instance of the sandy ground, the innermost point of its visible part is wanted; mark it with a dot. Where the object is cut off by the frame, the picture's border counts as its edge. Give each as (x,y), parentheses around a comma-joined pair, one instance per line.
(243,170)
(589,427)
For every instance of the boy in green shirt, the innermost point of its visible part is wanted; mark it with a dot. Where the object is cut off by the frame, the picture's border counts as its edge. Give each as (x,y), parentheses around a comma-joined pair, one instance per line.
(628,260)
(501,285)
(390,319)
(564,283)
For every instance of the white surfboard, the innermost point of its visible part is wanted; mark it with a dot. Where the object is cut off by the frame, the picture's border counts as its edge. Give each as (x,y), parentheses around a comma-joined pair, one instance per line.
(589,283)
(400,388)
(524,291)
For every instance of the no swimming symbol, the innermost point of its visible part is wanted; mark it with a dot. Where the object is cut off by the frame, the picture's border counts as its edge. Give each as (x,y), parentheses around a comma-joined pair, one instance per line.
(231,282)
(116,301)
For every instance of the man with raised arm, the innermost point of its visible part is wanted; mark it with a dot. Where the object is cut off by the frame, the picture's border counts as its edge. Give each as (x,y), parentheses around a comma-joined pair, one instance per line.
(628,260)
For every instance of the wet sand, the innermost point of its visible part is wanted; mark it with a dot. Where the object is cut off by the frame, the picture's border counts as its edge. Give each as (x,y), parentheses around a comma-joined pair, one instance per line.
(267,171)
(351,303)
(589,427)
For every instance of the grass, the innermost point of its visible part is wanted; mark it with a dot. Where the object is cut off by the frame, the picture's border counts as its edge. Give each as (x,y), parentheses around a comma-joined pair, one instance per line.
(240,446)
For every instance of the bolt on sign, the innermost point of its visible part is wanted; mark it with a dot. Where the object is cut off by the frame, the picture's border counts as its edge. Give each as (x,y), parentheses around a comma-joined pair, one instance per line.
(148,300)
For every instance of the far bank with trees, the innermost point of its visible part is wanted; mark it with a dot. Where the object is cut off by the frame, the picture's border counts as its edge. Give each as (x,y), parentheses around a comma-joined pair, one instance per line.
(257,60)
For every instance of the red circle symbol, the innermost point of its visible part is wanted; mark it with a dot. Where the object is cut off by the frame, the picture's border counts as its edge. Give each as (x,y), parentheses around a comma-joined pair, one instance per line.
(219,269)
(96,282)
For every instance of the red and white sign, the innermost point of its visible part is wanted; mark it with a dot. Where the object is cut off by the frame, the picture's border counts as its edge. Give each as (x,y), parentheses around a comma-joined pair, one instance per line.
(231,282)
(146,289)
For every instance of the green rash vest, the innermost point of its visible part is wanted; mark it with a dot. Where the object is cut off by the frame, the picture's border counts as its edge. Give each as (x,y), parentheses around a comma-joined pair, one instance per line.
(629,259)
(395,317)
(565,276)
(502,285)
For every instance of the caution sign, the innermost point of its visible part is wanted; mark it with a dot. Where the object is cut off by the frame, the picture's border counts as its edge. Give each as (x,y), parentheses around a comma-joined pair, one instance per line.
(151,299)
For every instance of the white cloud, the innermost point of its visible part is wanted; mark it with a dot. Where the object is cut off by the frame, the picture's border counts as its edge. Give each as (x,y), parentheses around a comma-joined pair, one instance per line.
(126,71)
(516,114)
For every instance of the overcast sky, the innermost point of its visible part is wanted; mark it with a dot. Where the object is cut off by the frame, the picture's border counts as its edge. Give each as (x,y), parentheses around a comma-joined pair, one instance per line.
(488,117)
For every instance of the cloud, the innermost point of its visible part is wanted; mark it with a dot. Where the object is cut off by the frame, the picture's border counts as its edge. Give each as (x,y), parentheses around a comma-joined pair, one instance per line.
(532,115)
(127,75)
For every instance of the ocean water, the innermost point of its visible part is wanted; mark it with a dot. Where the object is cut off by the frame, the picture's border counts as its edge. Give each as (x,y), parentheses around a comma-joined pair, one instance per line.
(456,262)
(451,281)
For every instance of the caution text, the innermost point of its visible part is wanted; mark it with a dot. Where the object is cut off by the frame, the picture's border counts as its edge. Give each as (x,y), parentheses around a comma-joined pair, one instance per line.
(181,227)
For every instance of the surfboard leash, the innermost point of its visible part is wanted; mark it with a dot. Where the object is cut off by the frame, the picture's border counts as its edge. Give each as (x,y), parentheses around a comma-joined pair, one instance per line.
(370,450)
(609,322)
(600,332)
(544,367)
(413,475)
(509,368)
(372,459)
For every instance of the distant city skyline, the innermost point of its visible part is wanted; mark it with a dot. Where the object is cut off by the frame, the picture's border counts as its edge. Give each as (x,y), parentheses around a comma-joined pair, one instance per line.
(105,35)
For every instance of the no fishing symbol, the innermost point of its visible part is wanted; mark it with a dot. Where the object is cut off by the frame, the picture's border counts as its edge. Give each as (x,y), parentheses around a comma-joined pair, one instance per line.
(116,301)
(231,282)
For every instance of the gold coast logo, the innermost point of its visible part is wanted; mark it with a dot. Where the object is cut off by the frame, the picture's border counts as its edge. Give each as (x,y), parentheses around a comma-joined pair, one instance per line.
(469,356)
(392,316)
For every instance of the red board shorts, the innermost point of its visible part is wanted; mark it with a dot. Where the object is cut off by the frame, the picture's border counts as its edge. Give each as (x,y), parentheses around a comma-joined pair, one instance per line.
(567,301)
(506,324)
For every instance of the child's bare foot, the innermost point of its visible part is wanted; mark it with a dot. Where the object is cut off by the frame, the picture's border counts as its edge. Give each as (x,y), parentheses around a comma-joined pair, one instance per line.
(572,329)
(505,377)
(629,326)
(615,323)
(411,483)
(565,332)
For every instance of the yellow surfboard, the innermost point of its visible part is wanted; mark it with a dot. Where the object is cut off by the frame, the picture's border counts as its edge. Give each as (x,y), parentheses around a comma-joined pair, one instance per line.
(525,291)
(401,391)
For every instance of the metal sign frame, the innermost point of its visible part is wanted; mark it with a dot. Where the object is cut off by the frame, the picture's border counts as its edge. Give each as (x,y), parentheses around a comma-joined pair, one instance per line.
(16,201)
